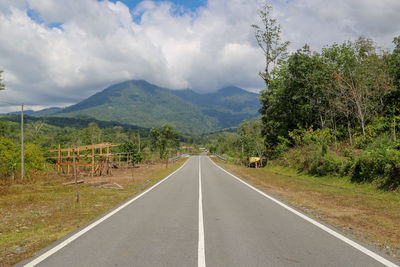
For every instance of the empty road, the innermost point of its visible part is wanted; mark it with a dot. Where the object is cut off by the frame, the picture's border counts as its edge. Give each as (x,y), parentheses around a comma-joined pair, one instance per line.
(201,215)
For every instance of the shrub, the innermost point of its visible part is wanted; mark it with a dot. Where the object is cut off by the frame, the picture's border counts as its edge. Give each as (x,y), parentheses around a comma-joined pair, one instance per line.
(34,159)
(379,163)
(315,160)
(8,158)
(310,136)
(283,145)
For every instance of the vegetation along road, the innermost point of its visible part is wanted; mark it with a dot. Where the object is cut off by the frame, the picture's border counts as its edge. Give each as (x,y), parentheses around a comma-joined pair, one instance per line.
(202,215)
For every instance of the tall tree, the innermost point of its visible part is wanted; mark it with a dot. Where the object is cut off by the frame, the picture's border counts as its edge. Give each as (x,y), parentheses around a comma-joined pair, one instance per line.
(163,138)
(2,87)
(252,142)
(268,36)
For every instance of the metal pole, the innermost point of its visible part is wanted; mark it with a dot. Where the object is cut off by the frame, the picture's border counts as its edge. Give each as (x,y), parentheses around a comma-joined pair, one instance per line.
(22,141)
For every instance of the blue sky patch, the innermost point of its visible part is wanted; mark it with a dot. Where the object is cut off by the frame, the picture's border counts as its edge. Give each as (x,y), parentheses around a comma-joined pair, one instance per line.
(190,4)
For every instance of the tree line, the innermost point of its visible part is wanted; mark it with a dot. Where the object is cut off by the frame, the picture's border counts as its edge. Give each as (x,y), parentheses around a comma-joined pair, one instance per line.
(329,112)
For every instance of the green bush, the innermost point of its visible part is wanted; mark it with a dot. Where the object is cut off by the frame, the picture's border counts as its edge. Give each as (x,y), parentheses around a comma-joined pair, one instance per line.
(326,164)
(282,146)
(379,163)
(10,159)
(315,160)
(310,136)
(34,159)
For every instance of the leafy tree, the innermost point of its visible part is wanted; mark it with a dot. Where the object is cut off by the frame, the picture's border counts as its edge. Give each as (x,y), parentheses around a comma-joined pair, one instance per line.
(163,138)
(92,134)
(8,158)
(2,87)
(268,37)
(4,129)
(128,146)
(252,142)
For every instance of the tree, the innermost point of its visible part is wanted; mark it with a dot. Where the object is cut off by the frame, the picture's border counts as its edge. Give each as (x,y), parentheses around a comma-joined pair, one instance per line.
(269,40)
(4,129)
(362,78)
(92,134)
(163,138)
(252,142)
(2,87)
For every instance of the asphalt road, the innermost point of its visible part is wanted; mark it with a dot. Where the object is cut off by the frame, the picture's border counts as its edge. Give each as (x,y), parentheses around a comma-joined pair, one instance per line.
(222,222)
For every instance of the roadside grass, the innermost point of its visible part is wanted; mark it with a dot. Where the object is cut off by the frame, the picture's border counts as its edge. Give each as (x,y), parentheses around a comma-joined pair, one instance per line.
(34,215)
(358,210)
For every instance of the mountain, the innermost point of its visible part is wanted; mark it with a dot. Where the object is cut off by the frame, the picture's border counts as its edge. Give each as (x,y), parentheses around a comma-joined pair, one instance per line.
(140,103)
(26,112)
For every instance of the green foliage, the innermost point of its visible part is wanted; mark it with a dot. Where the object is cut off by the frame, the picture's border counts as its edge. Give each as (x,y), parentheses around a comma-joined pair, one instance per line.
(163,139)
(10,158)
(282,146)
(251,140)
(141,103)
(315,160)
(311,137)
(379,163)
(2,87)
(268,36)
(4,129)
(138,157)
(128,146)
(33,158)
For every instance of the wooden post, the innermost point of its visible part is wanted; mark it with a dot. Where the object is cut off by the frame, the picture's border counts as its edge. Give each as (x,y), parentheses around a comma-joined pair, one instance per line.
(108,160)
(92,160)
(69,156)
(119,161)
(76,177)
(78,161)
(59,158)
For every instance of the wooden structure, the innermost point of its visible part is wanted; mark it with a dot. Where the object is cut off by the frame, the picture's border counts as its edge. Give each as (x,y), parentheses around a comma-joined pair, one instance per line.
(90,156)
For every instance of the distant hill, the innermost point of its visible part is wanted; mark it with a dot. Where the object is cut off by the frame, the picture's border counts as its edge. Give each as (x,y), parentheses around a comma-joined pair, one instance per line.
(140,103)
(78,123)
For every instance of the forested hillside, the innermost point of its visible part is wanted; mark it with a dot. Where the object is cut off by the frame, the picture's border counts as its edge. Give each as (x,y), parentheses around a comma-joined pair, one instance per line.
(141,103)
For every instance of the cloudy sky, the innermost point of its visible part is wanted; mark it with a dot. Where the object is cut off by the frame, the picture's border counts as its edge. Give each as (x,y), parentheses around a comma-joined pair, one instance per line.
(57,52)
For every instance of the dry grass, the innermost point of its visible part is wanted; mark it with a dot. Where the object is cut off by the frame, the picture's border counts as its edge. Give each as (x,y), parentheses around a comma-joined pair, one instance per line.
(360,211)
(36,214)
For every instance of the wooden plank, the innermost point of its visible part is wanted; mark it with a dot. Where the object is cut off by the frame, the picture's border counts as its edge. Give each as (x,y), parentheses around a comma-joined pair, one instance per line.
(87,147)
(71,163)
(73,182)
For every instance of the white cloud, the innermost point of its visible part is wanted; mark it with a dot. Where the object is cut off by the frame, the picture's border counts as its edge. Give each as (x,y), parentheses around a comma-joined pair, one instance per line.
(100,43)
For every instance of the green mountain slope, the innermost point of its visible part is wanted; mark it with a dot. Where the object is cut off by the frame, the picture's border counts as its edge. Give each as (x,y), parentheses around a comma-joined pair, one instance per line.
(141,103)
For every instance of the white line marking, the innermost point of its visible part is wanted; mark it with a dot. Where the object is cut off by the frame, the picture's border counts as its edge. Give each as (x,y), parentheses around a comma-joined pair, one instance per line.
(321,226)
(201,258)
(94,224)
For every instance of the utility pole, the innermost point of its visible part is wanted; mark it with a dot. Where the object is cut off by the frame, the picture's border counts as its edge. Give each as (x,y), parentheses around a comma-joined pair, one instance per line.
(22,141)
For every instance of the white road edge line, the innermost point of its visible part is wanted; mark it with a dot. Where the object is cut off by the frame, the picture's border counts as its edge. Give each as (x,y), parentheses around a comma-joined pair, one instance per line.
(94,224)
(201,258)
(321,226)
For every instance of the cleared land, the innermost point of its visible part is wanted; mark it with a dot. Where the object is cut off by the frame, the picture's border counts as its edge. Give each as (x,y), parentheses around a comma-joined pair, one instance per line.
(360,211)
(36,214)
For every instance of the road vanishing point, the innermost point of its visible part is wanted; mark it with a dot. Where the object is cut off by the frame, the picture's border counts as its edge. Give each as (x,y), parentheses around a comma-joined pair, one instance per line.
(201,215)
